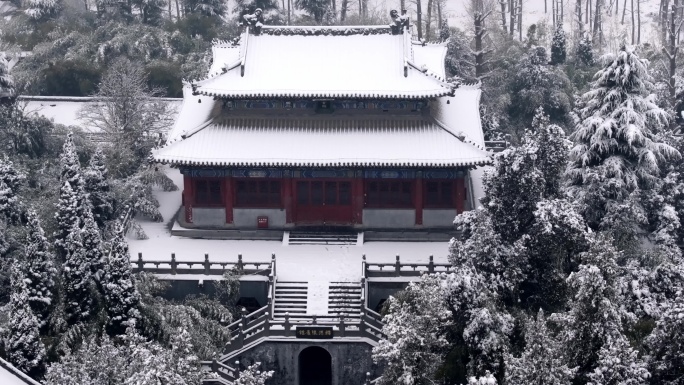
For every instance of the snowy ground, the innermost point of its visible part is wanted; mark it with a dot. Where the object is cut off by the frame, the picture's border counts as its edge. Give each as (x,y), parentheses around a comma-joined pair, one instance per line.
(64,110)
(326,263)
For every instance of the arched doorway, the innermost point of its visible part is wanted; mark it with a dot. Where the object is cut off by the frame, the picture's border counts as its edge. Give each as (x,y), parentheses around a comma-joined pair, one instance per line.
(315,366)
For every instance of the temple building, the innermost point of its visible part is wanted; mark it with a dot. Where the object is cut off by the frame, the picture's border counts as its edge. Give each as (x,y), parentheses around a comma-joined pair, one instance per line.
(327,126)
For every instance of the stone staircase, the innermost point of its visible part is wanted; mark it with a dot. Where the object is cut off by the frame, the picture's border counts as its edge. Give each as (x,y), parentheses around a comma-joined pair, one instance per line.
(290,297)
(301,237)
(344,299)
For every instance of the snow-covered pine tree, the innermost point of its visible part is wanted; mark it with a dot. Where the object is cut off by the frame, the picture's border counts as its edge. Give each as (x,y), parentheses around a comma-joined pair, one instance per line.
(67,216)
(40,271)
(552,150)
(444,31)
(92,244)
(616,151)
(120,294)
(415,326)
(70,165)
(585,51)
(666,345)
(6,82)
(77,279)
(619,364)
(558,46)
(513,188)
(594,319)
(253,376)
(11,181)
(542,361)
(97,186)
(25,350)
(535,83)
(39,9)
(127,360)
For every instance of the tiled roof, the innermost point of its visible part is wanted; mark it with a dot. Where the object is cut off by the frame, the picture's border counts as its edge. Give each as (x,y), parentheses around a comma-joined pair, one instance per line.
(323,141)
(298,64)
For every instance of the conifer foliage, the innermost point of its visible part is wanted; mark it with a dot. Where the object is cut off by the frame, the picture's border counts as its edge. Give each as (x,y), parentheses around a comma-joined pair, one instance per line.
(99,191)
(415,328)
(253,376)
(120,294)
(558,46)
(11,181)
(542,361)
(616,149)
(77,280)
(41,271)
(24,347)
(666,345)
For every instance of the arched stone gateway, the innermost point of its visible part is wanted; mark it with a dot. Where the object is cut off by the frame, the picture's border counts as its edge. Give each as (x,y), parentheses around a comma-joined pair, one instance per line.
(315,366)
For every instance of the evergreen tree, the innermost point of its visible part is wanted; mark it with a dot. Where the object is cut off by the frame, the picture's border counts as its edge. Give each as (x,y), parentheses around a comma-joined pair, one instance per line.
(594,319)
(315,8)
(41,9)
(67,216)
(558,46)
(541,363)
(512,190)
(92,244)
(129,359)
(619,364)
(616,150)
(41,270)
(70,165)
(535,83)
(120,294)
(444,31)
(552,152)
(99,191)
(253,376)
(77,279)
(11,181)
(666,345)
(585,51)
(6,82)
(415,326)
(24,347)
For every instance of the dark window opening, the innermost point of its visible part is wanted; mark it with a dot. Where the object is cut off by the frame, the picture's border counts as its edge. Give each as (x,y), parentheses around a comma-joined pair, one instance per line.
(440,194)
(257,193)
(208,193)
(391,194)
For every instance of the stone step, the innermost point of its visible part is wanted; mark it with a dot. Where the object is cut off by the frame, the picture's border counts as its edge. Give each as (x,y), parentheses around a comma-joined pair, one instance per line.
(320,238)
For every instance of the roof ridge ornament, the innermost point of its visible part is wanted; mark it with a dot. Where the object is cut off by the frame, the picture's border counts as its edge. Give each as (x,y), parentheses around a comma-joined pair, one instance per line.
(399,22)
(254,21)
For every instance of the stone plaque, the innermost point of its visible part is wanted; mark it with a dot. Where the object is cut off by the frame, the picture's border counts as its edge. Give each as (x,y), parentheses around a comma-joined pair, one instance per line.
(314,332)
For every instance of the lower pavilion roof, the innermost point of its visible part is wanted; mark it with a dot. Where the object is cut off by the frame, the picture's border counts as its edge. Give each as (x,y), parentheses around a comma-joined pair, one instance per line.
(323,141)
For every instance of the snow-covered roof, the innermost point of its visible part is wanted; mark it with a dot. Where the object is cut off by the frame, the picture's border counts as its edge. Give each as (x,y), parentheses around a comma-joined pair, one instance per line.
(408,140)
(431,56)
(9,375)
(321,62)
(460,113)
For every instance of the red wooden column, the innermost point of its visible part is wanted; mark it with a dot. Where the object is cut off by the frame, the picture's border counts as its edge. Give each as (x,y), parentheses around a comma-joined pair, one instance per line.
(460,195)
(188,197)
(418,199)
(287,198)
(228,198)
(357,200)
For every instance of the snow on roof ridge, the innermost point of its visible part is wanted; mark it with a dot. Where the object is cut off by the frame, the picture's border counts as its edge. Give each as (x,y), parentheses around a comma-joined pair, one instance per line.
(462,136)
(335,30)
(424,70)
